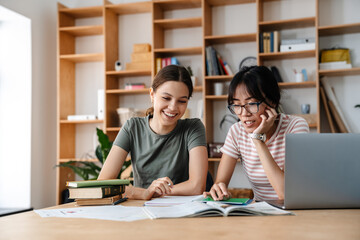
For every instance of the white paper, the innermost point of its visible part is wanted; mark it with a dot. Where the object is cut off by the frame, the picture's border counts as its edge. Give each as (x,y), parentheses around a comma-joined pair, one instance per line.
(115,213)
(173,200)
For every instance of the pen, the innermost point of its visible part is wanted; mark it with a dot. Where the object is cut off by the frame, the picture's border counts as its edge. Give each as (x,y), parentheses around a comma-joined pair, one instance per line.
(120,200)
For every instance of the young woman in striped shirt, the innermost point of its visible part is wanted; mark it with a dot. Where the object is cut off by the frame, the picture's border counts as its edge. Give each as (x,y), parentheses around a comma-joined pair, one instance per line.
(258,140)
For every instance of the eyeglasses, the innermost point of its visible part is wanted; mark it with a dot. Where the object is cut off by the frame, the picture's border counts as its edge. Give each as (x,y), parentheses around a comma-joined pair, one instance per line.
(252,107)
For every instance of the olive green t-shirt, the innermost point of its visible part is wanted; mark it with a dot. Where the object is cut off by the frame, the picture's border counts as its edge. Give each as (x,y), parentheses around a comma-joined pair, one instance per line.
(154,156)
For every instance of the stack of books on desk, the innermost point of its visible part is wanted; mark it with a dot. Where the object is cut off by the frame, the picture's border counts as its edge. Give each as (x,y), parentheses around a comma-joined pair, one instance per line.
(97,192)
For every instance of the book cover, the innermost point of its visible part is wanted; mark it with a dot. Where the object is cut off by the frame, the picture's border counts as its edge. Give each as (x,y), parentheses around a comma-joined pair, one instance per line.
(208,57)
(221,70)
(214,62)
(158,64)
(96,192)
(261,42)
(94,183)
(271,41)
(276,41)
(228,69)
(168,61)
(231,201)
(99,201)
(174,61)
(223,66)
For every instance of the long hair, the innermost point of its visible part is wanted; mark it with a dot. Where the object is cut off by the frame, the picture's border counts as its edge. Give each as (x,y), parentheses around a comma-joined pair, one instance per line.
(171,73)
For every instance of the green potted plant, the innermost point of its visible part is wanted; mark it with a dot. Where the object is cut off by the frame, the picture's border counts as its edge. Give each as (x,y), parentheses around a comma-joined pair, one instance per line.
(90,170)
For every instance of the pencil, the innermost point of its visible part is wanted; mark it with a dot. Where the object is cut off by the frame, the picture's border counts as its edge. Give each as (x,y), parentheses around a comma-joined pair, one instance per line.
(120,200)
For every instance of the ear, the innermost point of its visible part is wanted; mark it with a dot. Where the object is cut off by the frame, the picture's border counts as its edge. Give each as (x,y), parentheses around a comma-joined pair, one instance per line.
(152,95)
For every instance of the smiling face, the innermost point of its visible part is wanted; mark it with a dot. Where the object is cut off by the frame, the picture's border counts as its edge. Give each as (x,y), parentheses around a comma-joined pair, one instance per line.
(250,121)
(170,102)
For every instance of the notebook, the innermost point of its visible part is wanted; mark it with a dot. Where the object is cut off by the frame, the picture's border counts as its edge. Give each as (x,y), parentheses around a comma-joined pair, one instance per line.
(322,170)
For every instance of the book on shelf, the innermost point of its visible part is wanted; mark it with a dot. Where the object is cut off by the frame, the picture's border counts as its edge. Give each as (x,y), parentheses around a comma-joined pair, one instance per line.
(215,65)
(95,183)
(334,65)
(81,117)
(269,42)
(228,68)
(211,209)
(133,86)
(98,201)
(96,192)
(334,107)
(297,47)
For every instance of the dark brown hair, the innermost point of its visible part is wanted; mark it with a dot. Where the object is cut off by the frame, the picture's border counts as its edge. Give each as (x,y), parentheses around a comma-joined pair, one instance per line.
(171,73)
(260,84)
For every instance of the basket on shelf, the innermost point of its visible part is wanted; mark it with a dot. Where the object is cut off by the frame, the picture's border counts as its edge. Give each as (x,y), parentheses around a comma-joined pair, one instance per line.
(127,113)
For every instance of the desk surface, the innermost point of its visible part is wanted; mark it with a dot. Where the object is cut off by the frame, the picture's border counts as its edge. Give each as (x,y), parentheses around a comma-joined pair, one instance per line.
(307,224)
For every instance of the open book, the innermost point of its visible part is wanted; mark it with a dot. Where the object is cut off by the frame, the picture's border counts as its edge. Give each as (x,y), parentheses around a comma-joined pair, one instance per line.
(212,209)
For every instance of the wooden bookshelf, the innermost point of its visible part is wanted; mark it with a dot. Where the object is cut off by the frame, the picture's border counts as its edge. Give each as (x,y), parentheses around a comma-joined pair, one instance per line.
(287,24)
(340,72)
(234,38)
(83,30)
(89,57)
(178,51)
(178,23)
(339,29)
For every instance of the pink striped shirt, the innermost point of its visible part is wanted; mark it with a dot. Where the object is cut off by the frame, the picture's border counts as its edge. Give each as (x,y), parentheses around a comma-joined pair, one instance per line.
(239,145)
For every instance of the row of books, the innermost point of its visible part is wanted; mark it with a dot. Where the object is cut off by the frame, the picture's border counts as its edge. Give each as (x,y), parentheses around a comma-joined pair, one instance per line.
(134,86)
(97,192)
(215,65)
(163,62)
(269,41)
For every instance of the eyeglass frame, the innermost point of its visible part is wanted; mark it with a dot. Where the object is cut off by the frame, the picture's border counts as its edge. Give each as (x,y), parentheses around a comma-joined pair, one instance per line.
(243,106)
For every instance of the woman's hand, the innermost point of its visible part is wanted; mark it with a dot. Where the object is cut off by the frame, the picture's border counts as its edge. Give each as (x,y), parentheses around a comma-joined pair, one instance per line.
(218,192)
(268,120)
(159,187)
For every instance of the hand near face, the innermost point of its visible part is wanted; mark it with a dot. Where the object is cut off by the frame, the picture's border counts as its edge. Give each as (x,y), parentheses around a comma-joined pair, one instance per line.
(268,120)
(159,187)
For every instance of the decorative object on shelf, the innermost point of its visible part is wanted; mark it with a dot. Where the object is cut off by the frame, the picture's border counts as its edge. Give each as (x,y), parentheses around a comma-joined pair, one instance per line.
(299,77)
(304,73)
(140,58)
(227,121)
(305,108)
(127,113)
(81,117)
(101,105)
(248,62)
(214,150)
(335,55)
(118,66)
(357,106)
(193,78)
(298,44)
(218,89)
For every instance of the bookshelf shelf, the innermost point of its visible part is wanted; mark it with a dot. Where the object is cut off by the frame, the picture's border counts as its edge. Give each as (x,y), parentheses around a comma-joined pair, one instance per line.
(113,129)
(129,73)
(130,8)
(167,5)
(340,72)
(287,55)
(198,89)
(307,84)
(128,92)
(80,121)
(339,29)
(234,38)
(83,30)
(215,97)
(287,24)
(179,23)
(85,12)
(89,57)
(178,51)
(63,160)
(216,3)
(219,78)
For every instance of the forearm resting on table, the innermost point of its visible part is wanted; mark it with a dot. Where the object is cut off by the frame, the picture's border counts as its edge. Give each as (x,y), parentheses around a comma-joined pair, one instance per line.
(113,163)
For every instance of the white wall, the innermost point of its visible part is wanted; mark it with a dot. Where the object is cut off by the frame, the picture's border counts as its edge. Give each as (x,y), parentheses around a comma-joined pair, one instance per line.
(15,110)
(43,15)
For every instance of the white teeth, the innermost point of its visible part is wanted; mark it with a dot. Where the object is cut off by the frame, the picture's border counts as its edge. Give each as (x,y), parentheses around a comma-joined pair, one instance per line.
(248,122)
(169,114)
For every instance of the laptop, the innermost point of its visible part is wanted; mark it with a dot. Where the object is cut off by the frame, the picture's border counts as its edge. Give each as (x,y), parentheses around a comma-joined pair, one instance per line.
(322,170)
